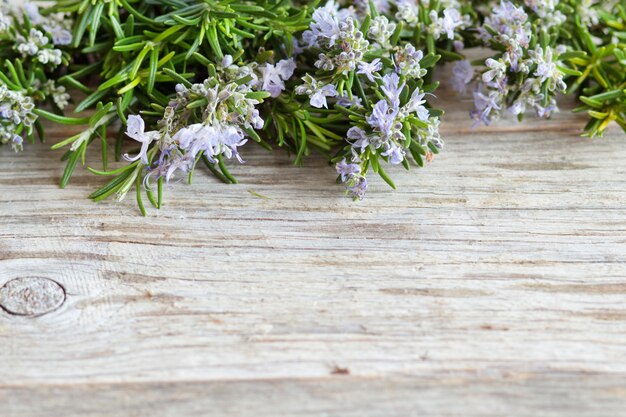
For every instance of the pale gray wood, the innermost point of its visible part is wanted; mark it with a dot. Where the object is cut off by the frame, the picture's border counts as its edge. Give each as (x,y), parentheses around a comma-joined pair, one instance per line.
(492,283)
(451,394)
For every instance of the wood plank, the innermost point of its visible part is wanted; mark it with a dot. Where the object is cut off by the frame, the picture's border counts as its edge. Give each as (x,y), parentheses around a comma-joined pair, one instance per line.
(493,395)
(491,283)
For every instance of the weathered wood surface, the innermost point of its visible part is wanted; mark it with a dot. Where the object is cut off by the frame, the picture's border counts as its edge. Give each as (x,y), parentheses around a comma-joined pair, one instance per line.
(493,283)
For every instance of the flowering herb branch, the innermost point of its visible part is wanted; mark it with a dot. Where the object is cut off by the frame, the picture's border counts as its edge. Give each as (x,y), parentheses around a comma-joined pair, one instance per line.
(374,77)
(197,90)
(30,55)
(601,34)
(547,48)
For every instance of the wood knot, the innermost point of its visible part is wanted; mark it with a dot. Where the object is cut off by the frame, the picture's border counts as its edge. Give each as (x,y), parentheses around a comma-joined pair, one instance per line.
(31,297)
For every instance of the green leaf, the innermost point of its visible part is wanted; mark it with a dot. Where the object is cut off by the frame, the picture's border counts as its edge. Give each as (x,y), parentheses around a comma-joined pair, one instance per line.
(71,164)
(154,61)
(386,177)
(64,120)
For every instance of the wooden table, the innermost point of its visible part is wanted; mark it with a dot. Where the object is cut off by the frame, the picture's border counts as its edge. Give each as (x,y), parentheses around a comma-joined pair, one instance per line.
(492,283)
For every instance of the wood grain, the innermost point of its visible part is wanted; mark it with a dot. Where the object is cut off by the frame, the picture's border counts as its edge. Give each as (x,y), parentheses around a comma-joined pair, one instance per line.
(492,283)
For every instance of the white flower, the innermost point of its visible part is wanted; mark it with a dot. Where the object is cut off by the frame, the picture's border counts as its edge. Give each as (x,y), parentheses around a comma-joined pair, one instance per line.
(588,12)
(408,11)
(58,93)
(381,30)
(407,61)
(318,99)
(416,105)
(227,61)
(547,68)
(52,56)
(497,70)
(135,129)
(316,91)
(5,22)
(274,76)
(29,47)
(451,21)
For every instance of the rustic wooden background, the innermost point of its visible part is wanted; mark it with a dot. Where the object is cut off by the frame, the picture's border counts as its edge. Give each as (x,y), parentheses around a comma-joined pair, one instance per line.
(493,283)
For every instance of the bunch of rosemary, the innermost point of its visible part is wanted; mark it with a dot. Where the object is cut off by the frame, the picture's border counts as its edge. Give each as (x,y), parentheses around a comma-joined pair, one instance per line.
(193,81)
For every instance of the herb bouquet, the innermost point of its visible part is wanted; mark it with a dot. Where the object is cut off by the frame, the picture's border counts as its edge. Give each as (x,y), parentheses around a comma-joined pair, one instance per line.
(190,82)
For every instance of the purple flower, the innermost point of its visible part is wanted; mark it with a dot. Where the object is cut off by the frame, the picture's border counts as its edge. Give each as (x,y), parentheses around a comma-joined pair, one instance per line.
(545,70)
(254,119)
(518,107)
(381,5)
(392,88)
(17,143)
(179,163)
(452,20)
(484,105)
(346,101)
(231,139)
(217,140)
(6,112)
(297,49)
(59,35)
(32,11)
(395,154)
(359,137)
(285,68)
(325,26)
(368,69)
(350,174)
(357,187)
(510,22)
(545,111)
(346,170)
(185,137)
(462,74)
(383,118)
